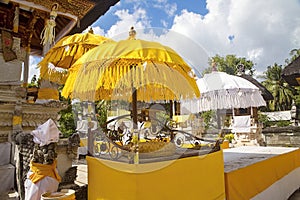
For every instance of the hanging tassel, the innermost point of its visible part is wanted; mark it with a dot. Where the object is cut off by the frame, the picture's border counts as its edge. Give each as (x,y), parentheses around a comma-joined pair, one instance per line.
(16,20)
(48,33)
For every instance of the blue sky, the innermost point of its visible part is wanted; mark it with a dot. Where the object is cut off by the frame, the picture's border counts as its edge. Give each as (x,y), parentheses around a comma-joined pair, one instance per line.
(161,13)
(264,31)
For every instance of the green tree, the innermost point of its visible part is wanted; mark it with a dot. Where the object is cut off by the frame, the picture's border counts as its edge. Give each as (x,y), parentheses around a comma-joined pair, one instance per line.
(66,122)
(294,53)
(282,92)
(229,64)
(101,111)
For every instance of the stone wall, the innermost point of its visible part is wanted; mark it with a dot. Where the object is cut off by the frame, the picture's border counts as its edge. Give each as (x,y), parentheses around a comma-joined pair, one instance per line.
(282,136)
(32,115)
(18,117)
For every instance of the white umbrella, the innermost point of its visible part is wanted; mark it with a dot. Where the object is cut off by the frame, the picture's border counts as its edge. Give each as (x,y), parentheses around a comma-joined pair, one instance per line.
(220,90)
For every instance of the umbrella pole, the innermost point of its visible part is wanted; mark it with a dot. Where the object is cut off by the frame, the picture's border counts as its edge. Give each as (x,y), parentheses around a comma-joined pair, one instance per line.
(218,119)
(134,108)
(136,136)
(171,109)
(90,143)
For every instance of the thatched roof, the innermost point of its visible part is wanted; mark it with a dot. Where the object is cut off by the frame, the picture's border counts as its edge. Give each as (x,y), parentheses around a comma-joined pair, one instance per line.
(267,95)
(291,72)
(34,13)
(100,9)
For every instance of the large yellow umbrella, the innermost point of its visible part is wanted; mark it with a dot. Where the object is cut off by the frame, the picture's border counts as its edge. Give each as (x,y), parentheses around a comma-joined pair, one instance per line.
(133,70)
(65,53)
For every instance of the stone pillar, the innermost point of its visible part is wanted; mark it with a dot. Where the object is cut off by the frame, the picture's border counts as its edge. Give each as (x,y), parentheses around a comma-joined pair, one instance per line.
(26,67)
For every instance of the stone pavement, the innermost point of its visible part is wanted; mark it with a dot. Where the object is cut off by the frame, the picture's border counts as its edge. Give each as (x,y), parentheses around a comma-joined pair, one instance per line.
(12,195)
(82,175)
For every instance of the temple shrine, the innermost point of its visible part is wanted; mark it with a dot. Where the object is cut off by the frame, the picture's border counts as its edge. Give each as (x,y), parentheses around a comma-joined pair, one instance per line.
(31,28)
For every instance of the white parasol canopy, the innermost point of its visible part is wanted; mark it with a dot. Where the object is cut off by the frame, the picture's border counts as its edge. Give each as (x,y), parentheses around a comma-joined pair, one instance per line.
(220,90)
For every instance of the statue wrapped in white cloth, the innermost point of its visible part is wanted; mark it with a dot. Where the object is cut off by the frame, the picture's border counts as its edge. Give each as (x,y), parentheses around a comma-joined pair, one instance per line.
(48,33)
(43,175)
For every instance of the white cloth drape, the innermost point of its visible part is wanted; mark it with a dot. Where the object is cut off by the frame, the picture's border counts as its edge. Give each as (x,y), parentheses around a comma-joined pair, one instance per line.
(241,124)
(46,133)
(34,191)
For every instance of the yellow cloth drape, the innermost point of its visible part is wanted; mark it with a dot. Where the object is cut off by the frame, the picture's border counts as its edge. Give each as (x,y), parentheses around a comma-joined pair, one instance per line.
(197,177)
(40,171)
(17,120)
(247,182)
(48,93)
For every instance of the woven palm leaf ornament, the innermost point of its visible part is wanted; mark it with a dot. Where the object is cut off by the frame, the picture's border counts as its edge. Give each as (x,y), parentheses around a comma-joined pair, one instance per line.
(48,33)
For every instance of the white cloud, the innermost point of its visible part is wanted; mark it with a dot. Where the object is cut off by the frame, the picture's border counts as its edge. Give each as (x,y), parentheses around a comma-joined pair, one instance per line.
(164,23)
(255,54)
(33,70)
(138,19)
(295,39)
(98,30)
(168,8)
(263,30)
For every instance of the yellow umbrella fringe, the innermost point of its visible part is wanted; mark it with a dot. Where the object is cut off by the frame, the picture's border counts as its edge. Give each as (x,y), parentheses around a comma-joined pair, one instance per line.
(134,75)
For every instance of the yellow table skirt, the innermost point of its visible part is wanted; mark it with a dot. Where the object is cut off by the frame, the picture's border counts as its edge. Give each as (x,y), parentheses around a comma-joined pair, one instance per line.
(198,177)
(247,182)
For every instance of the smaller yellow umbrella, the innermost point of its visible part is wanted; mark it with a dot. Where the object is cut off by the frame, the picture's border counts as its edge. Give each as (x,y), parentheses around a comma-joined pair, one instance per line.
(65,53)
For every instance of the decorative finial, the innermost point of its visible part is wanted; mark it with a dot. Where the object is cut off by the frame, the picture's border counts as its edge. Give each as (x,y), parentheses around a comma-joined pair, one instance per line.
(214,66)
(240,69)
(91,30)
(132,33)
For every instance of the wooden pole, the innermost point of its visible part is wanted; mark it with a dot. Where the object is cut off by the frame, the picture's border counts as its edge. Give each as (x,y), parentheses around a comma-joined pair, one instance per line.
(134,108)
(171,109)
(218,119)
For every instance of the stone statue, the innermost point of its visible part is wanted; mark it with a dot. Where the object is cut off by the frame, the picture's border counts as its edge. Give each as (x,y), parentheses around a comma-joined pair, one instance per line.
(294,114)
(73,144)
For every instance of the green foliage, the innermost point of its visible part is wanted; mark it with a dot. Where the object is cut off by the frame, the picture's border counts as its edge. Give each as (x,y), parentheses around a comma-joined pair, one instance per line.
(229,137)
(66,122)
(207,117)
(282,123)
(101,111)
(264,119)
(227,121)
(294,53)
(229,64)
(34,82)
(283,93)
